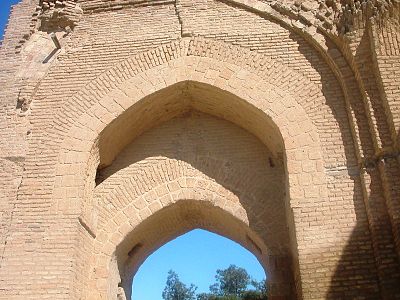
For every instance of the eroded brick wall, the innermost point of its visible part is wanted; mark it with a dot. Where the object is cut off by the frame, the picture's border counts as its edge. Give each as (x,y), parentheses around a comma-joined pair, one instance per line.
(14,129)
(344,231)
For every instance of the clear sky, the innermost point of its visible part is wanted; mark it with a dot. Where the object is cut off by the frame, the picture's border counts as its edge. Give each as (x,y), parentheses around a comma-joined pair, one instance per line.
(5,6)
(195,257)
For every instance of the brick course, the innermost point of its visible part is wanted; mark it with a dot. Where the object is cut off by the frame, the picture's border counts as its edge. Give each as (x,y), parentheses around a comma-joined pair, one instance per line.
(275,124)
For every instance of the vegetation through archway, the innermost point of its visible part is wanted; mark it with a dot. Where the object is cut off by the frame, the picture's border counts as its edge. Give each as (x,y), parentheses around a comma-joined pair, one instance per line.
(200,265)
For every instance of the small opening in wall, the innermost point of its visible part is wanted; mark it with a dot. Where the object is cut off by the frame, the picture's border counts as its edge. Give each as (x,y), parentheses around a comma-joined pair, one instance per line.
(99,176)
(271,162)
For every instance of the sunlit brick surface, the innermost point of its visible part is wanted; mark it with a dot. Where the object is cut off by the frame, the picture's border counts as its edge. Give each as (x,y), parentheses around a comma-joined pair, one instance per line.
(273,123)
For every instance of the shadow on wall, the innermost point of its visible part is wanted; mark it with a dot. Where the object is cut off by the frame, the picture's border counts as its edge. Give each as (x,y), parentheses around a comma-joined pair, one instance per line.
(369,267)
(356,271)
(398,141)
(356,274)
(351,258)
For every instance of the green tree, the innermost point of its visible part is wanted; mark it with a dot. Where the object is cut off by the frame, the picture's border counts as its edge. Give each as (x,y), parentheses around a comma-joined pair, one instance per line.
(176,290)
(260,286)
(252,295)
(231,282)
(207,296)
(259,292)
(203,296)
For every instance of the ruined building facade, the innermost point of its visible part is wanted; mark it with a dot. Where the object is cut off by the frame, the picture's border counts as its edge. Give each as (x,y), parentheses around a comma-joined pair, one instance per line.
(126,123)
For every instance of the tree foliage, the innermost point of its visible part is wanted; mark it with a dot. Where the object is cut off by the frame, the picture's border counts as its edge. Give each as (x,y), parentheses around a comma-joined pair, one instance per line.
(232,281)
(231,284)
(176,290)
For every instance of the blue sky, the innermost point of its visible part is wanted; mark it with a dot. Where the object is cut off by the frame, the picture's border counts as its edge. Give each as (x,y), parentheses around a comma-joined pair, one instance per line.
(195,257)
(5,6)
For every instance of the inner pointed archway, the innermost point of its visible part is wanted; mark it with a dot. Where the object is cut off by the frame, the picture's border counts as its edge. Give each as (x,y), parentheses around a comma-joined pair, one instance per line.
(195,257)
(178,219)
(195,171)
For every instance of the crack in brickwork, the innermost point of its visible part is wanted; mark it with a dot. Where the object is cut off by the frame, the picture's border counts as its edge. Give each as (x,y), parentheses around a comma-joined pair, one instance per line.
(8,226)
(177,10)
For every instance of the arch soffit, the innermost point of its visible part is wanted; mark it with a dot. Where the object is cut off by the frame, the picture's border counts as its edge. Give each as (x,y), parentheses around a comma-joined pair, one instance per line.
(143,190)
(112,233)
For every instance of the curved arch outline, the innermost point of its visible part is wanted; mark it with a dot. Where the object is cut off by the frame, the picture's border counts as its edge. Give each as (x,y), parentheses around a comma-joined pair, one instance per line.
(284,111)
(280,106)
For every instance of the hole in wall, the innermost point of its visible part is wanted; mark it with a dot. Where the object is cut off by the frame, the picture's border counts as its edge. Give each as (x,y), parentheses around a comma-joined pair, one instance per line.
(100,177)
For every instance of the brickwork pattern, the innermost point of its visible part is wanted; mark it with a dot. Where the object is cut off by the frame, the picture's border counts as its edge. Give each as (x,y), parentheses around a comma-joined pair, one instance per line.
(122,130)
(256,197)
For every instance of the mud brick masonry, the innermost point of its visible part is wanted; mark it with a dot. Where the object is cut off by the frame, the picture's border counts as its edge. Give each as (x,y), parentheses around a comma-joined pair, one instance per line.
(273,123)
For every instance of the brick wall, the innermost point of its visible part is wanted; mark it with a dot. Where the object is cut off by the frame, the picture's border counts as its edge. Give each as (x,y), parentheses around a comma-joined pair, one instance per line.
(322,103)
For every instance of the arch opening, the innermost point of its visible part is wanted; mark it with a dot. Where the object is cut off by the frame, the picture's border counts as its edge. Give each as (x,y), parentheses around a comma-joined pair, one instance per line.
(193,141)
(181,218)
(195,257)
(235,186)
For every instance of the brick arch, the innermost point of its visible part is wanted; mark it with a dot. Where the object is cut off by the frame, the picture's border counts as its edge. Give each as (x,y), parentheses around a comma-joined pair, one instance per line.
(211,206)
(236,65)
(298,131)
(306,87)
(114,93)
(234,184)
(134,193)
(306,91)
(347,187)
(81,149)
(302,25)
(125,178)
(141,182)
